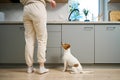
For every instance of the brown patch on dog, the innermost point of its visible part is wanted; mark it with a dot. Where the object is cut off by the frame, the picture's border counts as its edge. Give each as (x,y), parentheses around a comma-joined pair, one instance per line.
(76,65)
(66,46)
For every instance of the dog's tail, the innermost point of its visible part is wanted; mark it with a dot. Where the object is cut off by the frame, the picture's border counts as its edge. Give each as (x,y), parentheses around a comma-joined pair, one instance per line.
(86,72)
(82,72)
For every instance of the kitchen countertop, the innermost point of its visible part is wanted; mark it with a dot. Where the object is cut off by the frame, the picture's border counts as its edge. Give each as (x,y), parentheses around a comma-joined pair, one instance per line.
(61,22)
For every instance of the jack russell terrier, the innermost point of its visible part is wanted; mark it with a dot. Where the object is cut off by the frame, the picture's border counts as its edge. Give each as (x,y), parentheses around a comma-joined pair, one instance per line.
(71,61)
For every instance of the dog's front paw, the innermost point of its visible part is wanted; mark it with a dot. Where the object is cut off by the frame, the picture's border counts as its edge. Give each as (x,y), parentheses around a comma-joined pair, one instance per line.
(73,72)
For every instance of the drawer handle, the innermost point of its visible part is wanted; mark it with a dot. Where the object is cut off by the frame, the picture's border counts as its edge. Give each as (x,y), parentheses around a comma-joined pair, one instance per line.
(110,28)
(88,28)
(22,28)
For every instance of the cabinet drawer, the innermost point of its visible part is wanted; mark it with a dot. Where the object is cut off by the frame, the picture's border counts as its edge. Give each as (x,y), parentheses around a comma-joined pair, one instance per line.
(53,55)
(81,38)
(54,35)
(54,28)
(107,44)
(12,44)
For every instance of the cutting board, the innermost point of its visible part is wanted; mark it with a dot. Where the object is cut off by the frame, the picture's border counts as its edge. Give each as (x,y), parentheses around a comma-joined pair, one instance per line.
(114,15)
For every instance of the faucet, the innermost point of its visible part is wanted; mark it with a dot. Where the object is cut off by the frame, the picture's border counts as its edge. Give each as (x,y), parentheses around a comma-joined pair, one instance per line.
(69,18)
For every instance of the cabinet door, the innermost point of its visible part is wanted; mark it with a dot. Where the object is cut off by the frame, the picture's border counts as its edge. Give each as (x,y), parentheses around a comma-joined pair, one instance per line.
(54,44)
(12,44)
(81,38)
(107,44)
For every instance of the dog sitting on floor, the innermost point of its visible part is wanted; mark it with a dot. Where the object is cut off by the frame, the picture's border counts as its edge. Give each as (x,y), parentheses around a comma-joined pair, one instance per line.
(71,61)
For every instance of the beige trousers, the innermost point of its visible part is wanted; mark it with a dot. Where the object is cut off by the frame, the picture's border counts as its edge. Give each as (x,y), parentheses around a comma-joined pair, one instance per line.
(35,18)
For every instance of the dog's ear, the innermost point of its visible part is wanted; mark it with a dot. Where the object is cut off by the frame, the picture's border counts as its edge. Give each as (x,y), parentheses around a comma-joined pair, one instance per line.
(66,46)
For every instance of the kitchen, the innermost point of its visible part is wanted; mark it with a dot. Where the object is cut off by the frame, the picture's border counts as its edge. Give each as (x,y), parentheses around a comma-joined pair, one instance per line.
(96,43)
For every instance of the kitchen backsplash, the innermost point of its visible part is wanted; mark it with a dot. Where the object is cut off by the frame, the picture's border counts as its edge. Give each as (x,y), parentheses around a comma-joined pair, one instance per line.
(14,12)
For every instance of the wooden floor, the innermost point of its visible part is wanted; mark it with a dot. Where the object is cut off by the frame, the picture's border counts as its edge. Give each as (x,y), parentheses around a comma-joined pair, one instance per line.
(100,72)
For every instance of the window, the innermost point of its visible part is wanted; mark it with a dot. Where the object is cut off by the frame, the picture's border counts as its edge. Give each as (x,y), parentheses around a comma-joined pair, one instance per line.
(90,5)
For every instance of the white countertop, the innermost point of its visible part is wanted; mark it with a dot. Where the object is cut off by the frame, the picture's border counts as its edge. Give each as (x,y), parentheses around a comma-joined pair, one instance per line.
(61,22)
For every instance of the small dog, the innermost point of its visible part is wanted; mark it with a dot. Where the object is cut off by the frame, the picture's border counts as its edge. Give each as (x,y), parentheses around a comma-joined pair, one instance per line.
(70,60)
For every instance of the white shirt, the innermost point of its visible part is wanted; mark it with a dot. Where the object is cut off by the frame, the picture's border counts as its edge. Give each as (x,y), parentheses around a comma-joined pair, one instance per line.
(25,2)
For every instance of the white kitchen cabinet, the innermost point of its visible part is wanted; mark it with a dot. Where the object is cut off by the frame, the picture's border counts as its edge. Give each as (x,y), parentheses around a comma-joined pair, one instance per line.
(81,38)
(107,43)
(97,43)
(12,44)
(54,44)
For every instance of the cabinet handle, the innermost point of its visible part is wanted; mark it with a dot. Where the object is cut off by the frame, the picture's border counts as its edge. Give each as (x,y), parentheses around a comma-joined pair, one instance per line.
(22,28)
(88,28)
(110,28)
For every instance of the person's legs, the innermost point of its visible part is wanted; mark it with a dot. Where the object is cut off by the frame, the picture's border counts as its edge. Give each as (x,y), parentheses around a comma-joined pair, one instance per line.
(41,33)
(42,42)
(37,13)
(29,47)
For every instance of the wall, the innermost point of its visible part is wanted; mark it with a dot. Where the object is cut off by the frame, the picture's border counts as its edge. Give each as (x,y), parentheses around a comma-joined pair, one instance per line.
(14,12)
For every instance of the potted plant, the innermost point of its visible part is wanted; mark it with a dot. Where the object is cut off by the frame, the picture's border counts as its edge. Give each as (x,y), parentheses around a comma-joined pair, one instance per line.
(85,11)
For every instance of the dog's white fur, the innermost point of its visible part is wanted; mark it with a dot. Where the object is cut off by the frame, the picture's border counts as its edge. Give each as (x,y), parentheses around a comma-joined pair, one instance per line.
(70,60)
